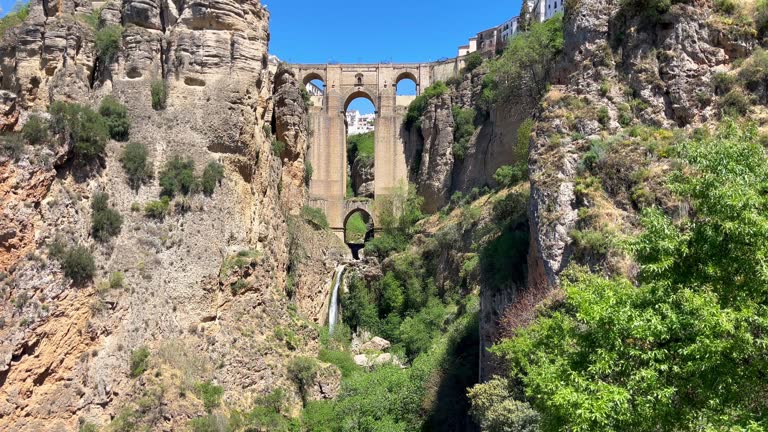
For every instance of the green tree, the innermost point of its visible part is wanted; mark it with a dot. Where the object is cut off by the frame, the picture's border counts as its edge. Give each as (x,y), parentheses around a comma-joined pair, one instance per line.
(178,176)
(139,362)
(303,372)
(136,164)
(159,93)
(81,126)
(496,410)
(473,61)
(212,176)
(683,349)
(116,116)
(77,263)
(521,75)
(210,394)
(35,130)
(106,222)
(108,43)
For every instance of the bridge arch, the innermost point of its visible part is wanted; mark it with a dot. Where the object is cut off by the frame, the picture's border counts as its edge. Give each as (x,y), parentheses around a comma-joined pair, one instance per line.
(311,76)
(406,75)
(360,93)
(358,229)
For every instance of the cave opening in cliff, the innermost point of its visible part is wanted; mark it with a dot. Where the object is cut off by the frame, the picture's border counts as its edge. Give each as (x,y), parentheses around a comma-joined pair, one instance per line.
(360,119)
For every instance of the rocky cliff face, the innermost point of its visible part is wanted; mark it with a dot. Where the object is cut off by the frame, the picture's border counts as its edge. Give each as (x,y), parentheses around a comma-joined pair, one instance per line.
(65,347)
(618,68)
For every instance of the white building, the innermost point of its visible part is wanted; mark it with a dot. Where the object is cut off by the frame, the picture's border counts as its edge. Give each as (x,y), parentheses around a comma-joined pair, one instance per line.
(553,7)
(358,124)
(314,90)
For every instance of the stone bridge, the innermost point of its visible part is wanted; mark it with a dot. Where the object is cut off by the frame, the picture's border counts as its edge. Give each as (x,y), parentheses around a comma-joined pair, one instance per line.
(328,148)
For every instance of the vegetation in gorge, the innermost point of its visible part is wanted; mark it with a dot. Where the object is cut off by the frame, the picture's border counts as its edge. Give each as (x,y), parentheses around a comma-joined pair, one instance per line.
(682,349)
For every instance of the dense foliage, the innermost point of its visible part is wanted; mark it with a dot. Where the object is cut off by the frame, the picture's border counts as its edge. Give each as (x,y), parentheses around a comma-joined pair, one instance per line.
(464,128)
(106,222)
(520,76)
(212,175)
(178,177)
(159,94)
(35,130)
(419,105)
(108,43)
(116,116)
(684,349)
(136,164)
(80,125)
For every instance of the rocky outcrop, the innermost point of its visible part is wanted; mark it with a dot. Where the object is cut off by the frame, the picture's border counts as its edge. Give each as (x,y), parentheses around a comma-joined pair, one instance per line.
(207,288)
(632,69)
(291,128)
(362,177)
(435,170)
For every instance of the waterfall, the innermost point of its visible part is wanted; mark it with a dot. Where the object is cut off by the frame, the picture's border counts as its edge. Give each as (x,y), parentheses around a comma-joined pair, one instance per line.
(333,309)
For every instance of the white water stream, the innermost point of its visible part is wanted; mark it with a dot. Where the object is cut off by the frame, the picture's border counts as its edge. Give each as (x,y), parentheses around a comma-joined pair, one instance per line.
(333,309)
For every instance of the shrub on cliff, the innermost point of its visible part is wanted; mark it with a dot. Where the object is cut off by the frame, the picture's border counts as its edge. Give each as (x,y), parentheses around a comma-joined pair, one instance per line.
(159,92)
(139,362)
(473,61)
(80,125)
(178,176)
(106,222)
(108,43)
(77,262)
(210,394)
(419,105)
(315,216)
(303,372)
(157,209)
(116,116)
(464,120)
(35,130)
(212,176)
(136,164)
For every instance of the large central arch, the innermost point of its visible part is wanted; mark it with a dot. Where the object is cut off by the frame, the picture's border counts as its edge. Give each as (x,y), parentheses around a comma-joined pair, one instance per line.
(327,153)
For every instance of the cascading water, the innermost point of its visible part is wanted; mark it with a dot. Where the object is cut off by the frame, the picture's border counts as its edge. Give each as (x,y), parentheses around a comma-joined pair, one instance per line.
(333,309)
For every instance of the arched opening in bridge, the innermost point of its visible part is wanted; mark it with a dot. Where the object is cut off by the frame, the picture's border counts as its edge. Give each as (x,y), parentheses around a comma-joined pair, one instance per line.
(315,87)
(361,124)
(358,229)
(405,85)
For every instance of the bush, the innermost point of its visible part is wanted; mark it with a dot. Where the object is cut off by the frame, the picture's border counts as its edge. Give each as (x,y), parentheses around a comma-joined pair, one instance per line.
(108,43)
(419,105)
(315,216)
(761,17)
(727,7)
(754,73)
(210,423)
(116,116)
(495,409)
(278,147)
(341,359)
(12,146)
(603,116)
(139,362)
(77,262)
(210,394)
(178,176)
(308,172)
(303,372)
(212,176)
(157,209)
(464,120)
(159,93)
(35,130)
(116,280)
(735,104)
(510,175)
(473,61)
(82,126)
(136,164)
(105,222)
